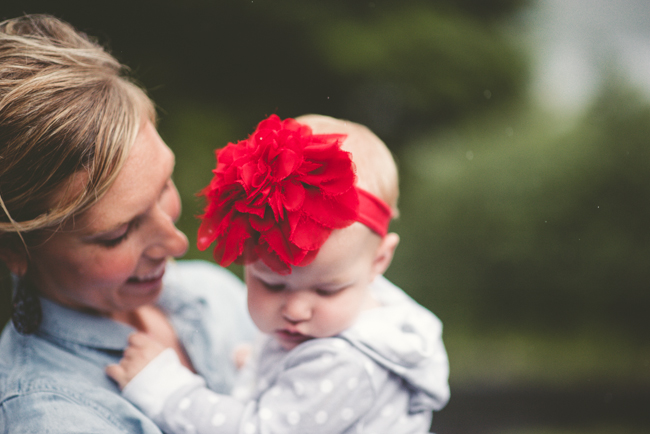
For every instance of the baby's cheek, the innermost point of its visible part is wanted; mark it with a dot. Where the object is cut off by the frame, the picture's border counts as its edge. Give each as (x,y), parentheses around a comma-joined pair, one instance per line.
(339,318)
(261,309)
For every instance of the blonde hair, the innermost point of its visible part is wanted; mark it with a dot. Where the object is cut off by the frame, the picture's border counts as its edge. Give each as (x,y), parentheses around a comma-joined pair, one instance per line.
(65,108)
(375,166)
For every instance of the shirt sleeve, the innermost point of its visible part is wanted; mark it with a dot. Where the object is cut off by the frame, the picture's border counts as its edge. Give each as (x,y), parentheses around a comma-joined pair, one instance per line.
(321,390)
(178,400)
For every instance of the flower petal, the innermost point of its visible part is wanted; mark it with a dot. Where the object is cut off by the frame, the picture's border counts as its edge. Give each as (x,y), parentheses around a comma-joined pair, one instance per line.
(332,211)
(309,234)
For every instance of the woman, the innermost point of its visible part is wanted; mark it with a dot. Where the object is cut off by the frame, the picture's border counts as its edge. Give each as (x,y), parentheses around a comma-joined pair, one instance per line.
(87,231)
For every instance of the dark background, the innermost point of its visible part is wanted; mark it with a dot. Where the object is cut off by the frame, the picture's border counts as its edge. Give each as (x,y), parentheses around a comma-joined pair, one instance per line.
(526,235)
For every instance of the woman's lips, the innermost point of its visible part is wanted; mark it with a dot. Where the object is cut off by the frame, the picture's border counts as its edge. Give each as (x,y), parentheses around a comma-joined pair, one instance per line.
(149,282)
(156,274)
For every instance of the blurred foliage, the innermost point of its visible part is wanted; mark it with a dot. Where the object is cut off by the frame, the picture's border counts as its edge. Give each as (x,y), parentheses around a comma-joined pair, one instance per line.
(393,65)
(511,222)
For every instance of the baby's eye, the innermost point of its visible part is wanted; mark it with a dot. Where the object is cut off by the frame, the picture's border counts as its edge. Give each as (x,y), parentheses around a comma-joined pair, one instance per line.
(327,293)
(273,287)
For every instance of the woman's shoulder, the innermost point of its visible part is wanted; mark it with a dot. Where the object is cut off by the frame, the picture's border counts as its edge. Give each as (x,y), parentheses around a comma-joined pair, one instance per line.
(44,403)
(30,364)
(202,279)
(43,388)
(201,273)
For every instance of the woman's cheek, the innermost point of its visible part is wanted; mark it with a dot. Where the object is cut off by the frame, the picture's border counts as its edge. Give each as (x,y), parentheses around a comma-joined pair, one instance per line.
(113,265)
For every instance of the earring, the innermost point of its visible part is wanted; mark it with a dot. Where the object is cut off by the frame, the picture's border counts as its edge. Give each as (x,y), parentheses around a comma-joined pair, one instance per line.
(26,309)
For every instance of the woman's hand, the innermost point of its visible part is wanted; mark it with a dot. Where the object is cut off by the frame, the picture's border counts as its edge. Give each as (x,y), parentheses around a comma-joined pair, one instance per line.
(141,350)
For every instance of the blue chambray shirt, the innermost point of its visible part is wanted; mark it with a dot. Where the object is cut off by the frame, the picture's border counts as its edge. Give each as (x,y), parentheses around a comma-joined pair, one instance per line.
(54,381)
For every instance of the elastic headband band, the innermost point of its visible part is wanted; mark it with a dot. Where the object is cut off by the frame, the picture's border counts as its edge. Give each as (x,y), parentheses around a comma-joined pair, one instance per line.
(278,195)
(373,212)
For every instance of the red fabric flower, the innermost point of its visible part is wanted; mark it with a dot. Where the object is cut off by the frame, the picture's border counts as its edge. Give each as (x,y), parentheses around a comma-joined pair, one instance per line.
(277,196)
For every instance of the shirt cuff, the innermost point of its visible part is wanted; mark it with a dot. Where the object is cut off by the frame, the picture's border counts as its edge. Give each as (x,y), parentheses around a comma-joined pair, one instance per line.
(159,380)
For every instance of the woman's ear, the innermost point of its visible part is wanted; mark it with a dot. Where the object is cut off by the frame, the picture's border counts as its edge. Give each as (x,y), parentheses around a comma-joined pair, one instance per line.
(15,257)
(385,252)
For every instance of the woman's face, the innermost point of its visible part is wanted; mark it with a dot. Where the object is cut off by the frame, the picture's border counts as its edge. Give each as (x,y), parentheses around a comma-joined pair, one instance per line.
(111,259)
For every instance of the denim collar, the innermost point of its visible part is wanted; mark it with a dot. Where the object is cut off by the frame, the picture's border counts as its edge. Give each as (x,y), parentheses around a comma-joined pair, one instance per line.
(82,328)
(87,329)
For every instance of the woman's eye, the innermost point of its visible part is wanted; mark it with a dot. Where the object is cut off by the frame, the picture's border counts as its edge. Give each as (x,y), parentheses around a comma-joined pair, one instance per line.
(112,242)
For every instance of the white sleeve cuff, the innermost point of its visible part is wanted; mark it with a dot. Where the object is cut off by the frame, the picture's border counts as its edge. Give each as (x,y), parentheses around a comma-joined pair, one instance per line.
(158,381)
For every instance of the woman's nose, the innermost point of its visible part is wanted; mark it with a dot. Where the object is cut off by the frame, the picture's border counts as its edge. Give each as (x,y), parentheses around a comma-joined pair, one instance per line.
(167,240)
(297,307)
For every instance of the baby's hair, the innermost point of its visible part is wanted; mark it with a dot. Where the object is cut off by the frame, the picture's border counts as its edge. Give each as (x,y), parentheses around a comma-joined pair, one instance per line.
(65,108)
(375,166)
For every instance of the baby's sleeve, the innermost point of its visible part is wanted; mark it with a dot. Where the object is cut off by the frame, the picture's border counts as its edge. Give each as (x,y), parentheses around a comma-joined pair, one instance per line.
(321,389)
(178,400)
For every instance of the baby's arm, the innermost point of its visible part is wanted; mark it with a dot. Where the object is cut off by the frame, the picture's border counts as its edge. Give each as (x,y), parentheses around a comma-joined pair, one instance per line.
(153,378)
(320,391)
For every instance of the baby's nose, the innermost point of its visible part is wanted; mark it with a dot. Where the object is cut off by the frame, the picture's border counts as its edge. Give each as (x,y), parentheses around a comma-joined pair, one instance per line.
(297,309)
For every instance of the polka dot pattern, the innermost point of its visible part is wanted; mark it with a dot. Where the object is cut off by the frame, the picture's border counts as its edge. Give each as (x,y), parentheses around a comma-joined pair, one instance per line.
(326,386)
(293,418)
(265,413)
(184,404)
(321,417)
(387,411)
(298,388)
(218,419)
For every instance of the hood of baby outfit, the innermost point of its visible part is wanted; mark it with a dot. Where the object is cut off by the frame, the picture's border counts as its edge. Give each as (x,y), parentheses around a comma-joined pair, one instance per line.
(406,339)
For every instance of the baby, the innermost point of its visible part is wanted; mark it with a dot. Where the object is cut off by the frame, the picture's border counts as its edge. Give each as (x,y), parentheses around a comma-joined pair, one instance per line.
(305,205)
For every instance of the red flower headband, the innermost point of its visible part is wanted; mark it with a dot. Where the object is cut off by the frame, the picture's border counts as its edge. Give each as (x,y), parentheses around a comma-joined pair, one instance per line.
(278,195)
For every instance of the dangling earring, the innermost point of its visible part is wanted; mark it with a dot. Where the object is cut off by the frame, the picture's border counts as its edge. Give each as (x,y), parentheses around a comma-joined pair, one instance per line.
(26,309)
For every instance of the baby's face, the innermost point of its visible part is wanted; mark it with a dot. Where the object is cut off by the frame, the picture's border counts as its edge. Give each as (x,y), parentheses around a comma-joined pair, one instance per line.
(321,299)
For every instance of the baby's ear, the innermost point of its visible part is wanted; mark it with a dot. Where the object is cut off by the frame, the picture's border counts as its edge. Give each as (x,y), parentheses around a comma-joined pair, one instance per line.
(385,252)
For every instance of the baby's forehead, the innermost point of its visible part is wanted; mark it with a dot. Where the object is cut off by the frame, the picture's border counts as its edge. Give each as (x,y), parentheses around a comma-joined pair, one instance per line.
(360,141)
(354,238)
(327,125)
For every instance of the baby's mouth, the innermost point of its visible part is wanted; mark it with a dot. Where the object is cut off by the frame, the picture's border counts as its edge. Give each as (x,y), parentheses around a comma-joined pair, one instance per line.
(290,335)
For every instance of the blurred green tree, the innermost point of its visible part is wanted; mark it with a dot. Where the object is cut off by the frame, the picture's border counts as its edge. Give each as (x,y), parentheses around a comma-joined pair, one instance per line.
(512,224)
(394,65)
